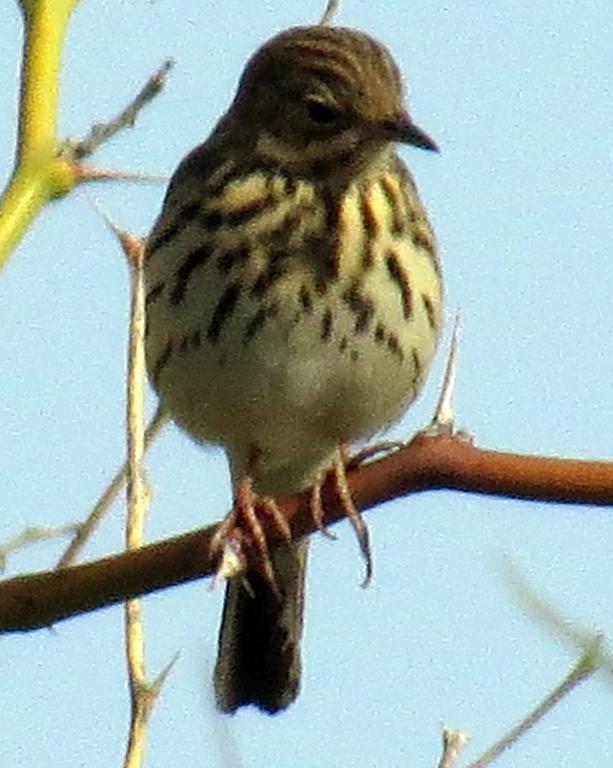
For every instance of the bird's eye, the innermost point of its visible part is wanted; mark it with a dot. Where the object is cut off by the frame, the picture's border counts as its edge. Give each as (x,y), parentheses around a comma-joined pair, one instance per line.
(320,113)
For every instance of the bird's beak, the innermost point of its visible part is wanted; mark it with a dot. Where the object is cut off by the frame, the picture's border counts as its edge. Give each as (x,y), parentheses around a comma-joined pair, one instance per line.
(404,130)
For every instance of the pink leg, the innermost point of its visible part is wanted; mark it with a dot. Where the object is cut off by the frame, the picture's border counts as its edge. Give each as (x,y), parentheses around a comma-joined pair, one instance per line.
(241,532)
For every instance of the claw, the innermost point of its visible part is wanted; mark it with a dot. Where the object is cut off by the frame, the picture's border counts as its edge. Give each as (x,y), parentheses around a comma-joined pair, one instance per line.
(341,463)
(353,514)
(316,507)
(240,541)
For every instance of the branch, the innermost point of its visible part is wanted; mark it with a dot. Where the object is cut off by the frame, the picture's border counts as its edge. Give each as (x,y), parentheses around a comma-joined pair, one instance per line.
(142,696)
(86,528)
(32,535)
(453,743)
(426,463)
(581,671)
(329,12)
(102,132)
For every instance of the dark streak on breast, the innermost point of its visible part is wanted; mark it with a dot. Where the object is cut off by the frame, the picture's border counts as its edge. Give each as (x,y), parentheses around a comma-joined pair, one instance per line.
(326,324)
(394,346)
(361,306)
(159,239)
(401,279)
(227,260)
(160,363)
(211,220)
(275,269)
(254,324)
(153,294)
(417,364)
(324,249)
(214,218)
(370,226)
(223,311)
(398,218)
(422,239)
(257,321)
(193,261)
(430,312)
(305,299)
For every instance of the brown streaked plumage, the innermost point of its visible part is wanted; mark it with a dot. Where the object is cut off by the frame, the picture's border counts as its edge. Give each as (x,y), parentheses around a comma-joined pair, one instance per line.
(294,301)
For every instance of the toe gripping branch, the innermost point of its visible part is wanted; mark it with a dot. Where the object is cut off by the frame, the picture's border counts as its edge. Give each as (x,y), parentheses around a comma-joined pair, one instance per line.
(240,543)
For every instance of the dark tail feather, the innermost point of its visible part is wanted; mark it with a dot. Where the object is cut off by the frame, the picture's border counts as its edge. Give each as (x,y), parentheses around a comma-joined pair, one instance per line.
(258,660)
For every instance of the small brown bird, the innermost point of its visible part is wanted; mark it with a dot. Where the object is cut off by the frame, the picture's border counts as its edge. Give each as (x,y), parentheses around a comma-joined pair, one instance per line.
(293,301)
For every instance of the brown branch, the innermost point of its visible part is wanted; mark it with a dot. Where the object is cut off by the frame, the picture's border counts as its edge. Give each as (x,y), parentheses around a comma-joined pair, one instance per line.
(427,463)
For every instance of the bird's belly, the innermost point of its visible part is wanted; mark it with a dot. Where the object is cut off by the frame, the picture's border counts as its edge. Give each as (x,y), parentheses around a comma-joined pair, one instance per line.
(306,378)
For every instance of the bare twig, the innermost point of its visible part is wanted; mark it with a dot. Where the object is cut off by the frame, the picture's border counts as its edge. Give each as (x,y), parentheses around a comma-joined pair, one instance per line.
(102,132)
(453,743)
(582,670)
(542,610)
(143,694)
(545,612)
(32,535)
(89,173)
(444,419)
(329,12)
(108,496)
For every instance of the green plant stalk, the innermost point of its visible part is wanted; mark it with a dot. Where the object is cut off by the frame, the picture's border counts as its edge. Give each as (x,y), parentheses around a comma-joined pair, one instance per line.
(42,171)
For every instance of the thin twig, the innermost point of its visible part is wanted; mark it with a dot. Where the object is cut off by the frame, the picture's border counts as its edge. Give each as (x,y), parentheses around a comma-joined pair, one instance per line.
(102,132)
(453,743)
(552,619)
(582,670)
(107,497)
(443,419)
(90,173)
(32,535)
(141,695)
(330,12)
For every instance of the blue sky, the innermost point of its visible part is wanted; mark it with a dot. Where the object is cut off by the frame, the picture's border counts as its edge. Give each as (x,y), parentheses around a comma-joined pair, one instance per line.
(520,98)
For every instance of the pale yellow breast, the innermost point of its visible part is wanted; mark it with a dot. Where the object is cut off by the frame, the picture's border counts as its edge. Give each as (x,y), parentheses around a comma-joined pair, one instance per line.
(289,324)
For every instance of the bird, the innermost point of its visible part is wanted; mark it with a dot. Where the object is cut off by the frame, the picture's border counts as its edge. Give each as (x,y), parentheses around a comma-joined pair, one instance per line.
(294,302)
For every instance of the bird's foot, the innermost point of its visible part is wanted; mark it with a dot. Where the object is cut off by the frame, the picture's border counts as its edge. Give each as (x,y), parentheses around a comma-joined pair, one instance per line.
(337,474)
(240,542)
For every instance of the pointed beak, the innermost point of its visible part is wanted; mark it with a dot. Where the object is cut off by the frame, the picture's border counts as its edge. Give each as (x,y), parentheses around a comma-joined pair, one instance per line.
(404,130)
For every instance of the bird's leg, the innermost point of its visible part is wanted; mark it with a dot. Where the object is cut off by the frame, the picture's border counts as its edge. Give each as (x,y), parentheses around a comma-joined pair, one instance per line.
(338,476)
(343,493)
(240,541)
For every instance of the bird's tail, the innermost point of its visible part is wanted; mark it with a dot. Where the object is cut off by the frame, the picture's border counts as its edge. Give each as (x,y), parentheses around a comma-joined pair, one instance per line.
(258,659)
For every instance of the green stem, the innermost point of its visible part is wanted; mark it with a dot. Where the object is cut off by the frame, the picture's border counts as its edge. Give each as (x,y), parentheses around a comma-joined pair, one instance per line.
(45,29)
(41,172)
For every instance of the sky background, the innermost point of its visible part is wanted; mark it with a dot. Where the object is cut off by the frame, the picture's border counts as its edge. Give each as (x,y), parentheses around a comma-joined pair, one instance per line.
(520,98)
